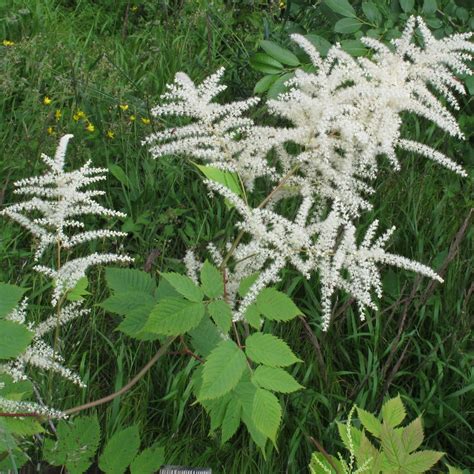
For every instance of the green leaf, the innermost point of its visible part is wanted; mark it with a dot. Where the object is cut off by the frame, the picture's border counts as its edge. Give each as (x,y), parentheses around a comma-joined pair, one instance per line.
(343,434)
(421,461)
(279,86)
(342,7)
(221,313)
(282,55)
(347,25)
(226,178)
(264,63)
(453,470)
(276,306)
(222,370)
(120,174)
(123,280)
(134,322)
(252,315)
(371,12)
(10,296)
(318,459)
(124,303)
(393,412)
(407,5)
(266,413)
(276,379)
(369,422)
(148,461)
(79,291)
(231,421)
(269,350)
(76,444)
(354,47)
(391,442)
(212,282)
(120,451)
(205,337)
(430,7)
(174,316)
(412,435)
(320,43)
(246,283)
(184,286)
(14,339)
(264,83)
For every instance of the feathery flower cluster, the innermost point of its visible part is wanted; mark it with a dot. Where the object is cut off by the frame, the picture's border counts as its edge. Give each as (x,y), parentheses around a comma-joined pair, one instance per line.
(342,117)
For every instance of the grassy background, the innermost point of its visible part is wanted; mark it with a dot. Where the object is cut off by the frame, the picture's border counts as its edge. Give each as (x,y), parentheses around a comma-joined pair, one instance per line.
(96,56)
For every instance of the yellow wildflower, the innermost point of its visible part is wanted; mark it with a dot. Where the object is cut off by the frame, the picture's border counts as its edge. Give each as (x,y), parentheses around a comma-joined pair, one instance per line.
(47,100)
(79,115)
(124,107)
(110,134)
(7,43)
(145,120)
(57,114)
(50,130)
(90,127)
(134,8)
(132,118)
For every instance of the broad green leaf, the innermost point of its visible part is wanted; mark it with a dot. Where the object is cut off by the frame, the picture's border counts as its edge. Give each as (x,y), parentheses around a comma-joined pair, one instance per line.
(76,444)
(275,379)
(184,286)
(356,435)
(123,280)
(264,63)
(23,426)
(222,370)
(266,413)
(174,316)
(342,7)
(282,55)
(212,282)
(421,461)
(20,458)
(269,350)
(120,174)
(370,422)
(430,7)
(276,306)
(391,442)
(367,452)
(278,86)
(14,339)
(320,43)
(252,315)
(371,12)
(10,296)
(124,303)
(134,322)
(453,470)
(221,313)
(226,178)
(216,409)
(79,291)
(205,337)
(264,83)
(246,283)
(120,451)
(231,421)
(347,25)
(407,5)
(148,461)
(318,460)
(412,435)
(354,47)
(393,412)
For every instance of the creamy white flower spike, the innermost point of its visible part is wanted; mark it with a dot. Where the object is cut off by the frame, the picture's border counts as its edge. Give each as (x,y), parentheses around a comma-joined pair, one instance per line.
(341,119)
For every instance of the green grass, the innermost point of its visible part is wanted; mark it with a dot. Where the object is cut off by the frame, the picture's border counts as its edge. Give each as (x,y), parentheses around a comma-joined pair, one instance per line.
(83,56)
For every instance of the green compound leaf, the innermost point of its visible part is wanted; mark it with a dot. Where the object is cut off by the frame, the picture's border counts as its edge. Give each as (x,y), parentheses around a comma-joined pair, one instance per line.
(264,83)
(221,313)
(264,63)
(175,316)
(347,25)
(391,442)
(246,283)
(148,461)
(10,296)
(275,379)
(342,7)
(266,413)
(269,350)
(393,412)
(412,435)
(282,55)
(231,421)
(79,291)
(212,282)
(184,286)
(125,302)
(123,280)
(14,339)
(277,306)
(421,461)
(252,315)
(222,370)
(370,422)
(120,451)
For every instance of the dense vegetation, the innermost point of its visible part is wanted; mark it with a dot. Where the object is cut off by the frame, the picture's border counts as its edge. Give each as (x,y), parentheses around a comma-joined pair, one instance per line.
(96,69)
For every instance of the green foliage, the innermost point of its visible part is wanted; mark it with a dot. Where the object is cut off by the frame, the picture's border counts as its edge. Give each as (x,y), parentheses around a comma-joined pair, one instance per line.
(79,291)
(10,296)
(275,305)
(269,350)
(394,449)
(14,339)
